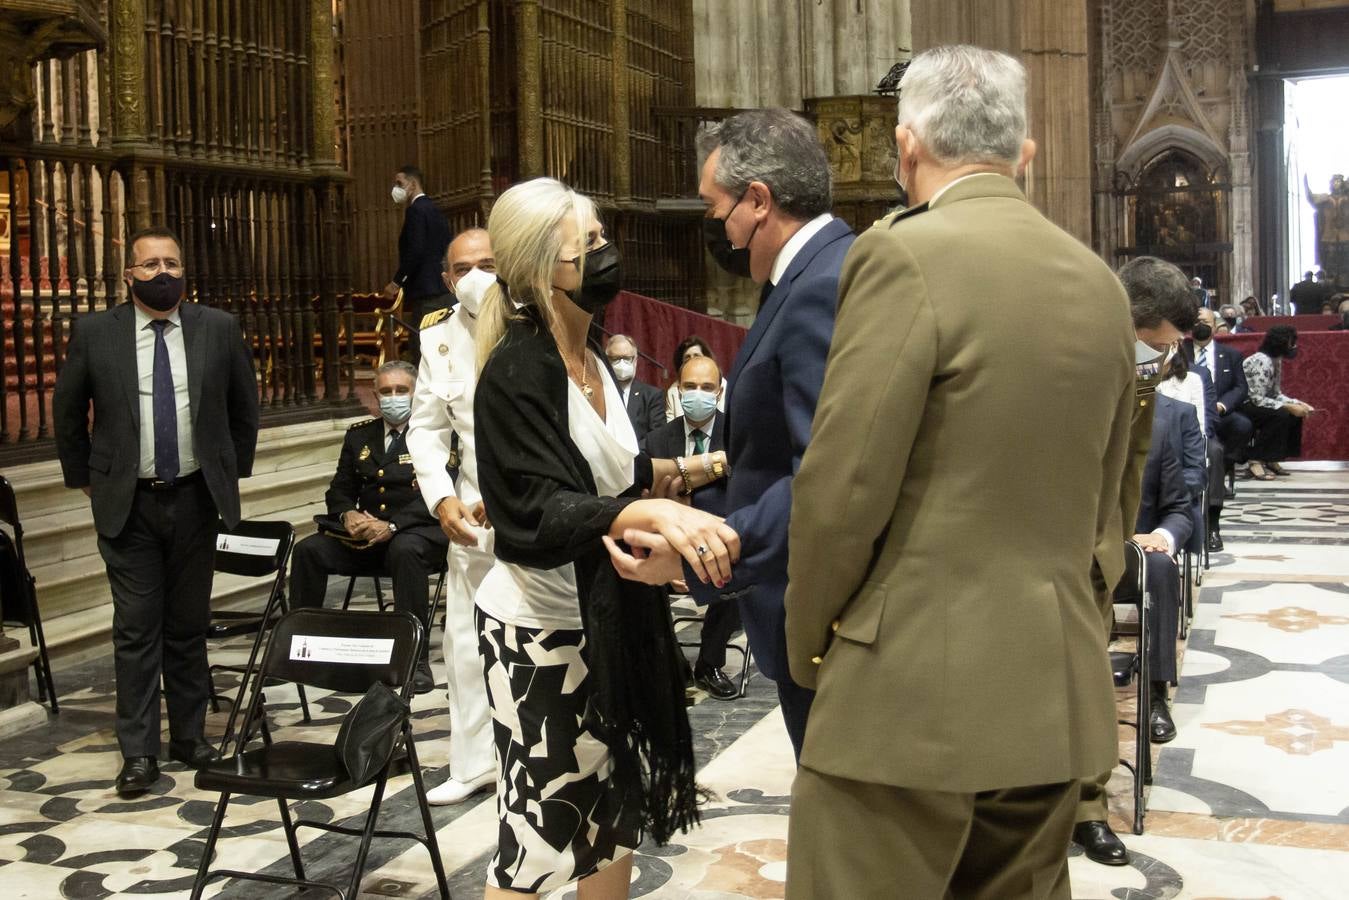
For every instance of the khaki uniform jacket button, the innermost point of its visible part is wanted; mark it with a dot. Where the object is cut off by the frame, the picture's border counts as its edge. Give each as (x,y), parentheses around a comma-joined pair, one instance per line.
(817,659)
(834,626)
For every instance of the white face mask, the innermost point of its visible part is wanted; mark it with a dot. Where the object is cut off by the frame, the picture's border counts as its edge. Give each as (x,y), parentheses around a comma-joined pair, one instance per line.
(471,288)
(399,194)
(624,369)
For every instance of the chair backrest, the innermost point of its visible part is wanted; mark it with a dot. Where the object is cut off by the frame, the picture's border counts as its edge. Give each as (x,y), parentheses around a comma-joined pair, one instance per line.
(343,651)
(9,507)
(254,548)
(1135,570)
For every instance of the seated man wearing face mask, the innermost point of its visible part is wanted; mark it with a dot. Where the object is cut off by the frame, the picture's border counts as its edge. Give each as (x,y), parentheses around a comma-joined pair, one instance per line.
(698,434)
(374,496)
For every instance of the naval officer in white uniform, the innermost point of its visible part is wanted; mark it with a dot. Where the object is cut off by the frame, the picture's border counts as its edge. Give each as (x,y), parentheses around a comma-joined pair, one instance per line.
(440,439)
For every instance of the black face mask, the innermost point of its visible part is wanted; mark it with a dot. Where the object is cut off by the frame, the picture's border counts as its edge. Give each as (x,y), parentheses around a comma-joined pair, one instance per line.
(601,281)
(1291,353)
(731,258)
(160,293)
(1202,332)
(1231,321)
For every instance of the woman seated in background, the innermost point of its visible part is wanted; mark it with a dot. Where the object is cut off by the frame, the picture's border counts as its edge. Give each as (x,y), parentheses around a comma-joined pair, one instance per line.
(593,745)
(1186,386)
(1251,307)
(1342,310)
(688,348)
(1277,417)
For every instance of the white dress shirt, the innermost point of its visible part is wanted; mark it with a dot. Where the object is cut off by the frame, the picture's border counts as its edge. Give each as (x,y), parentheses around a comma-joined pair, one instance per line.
(795,243)
(390,430)
(705,428)
(145,382)
(1210,359)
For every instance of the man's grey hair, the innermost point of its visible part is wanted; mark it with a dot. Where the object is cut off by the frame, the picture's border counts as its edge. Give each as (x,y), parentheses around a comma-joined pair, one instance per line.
(966,105)
(398,365)
(615,338)
(778,148)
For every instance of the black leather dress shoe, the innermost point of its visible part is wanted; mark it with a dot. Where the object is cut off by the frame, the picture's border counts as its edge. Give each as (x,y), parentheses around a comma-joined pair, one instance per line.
(1101,844)
(1160,727)
(423,682)
(715,682)
(138,774)
(1215,543)
(193,754)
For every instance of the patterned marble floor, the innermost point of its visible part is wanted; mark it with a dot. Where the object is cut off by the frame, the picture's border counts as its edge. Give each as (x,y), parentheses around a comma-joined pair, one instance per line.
(1250,801)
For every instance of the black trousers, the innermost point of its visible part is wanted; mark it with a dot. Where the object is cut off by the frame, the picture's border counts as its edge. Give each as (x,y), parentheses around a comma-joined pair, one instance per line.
(1278,433)
(409,559)
(160,569)
(1163,578)
(1234,429)
(720,622)
(795,702)
(1216,478)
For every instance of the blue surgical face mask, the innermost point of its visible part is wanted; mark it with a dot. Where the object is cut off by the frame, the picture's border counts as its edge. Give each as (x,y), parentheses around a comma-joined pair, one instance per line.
(396,408)
(699,406)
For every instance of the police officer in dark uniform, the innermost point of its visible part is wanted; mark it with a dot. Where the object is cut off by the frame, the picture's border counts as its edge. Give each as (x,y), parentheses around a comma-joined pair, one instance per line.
(377,522)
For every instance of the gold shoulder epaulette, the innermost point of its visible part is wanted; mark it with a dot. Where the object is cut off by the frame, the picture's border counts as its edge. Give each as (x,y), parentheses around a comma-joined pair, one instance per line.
(434,318)
(361,424)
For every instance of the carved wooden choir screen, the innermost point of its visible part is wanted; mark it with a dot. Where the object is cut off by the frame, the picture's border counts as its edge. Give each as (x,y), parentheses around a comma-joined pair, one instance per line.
(216,118)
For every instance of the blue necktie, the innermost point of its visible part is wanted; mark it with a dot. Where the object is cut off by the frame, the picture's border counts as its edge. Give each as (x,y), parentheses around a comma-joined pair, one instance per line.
(165,407)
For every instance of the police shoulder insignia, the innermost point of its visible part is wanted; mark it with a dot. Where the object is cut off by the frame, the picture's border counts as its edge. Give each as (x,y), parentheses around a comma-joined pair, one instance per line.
(360,424)
(435,317)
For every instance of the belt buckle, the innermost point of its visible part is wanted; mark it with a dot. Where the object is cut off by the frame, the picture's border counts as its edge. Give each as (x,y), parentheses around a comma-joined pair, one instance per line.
(158,484)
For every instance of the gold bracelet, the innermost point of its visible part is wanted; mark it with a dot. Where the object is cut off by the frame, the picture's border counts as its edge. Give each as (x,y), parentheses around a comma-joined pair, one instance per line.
(707,466)
(684,474)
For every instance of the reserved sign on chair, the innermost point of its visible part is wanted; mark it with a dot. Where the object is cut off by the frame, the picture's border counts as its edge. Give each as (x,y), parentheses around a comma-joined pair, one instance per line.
(325,648)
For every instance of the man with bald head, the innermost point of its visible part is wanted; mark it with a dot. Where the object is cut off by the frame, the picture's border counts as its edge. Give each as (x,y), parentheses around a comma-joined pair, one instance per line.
(440,438)
(645,404)
(698,430)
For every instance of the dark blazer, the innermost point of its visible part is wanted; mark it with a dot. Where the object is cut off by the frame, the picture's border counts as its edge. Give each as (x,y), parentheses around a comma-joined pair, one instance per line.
(379,483)
(421,250)
(1230,383)
(1165,497)
(667,442)
(646,408)
(100,369)
(771,395)
(1193,448)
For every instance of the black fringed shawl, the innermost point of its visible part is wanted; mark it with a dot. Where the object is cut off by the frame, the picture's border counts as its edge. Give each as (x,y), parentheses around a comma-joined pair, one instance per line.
(541,499)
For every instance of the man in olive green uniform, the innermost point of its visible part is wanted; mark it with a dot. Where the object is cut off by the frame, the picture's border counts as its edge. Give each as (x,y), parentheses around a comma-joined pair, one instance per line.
(1163,309)
(944,522)
(377,521)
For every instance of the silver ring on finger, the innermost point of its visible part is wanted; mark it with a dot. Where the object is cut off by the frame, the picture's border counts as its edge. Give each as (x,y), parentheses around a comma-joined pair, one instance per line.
(701,551)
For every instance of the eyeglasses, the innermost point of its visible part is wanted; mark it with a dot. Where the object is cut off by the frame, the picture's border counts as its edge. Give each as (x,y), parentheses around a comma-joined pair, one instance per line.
(597,242)
(153,267)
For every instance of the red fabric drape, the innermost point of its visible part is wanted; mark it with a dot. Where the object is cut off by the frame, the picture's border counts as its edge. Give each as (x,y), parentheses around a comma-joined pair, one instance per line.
(659,327)
(1319,376)
(1301,323)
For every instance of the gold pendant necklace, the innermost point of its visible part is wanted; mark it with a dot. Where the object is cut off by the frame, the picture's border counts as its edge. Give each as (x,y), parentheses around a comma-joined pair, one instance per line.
(586,390)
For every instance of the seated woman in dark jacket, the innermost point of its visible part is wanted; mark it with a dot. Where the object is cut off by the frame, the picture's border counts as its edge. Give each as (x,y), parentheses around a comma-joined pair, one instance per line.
(593,744)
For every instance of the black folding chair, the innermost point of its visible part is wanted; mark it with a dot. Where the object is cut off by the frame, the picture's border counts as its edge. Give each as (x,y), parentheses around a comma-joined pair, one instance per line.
(380,647)
(252,549)
(27,600)
(745,656)
(1128,666)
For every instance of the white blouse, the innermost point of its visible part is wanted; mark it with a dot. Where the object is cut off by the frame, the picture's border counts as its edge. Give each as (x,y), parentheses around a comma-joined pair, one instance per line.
(547,598)
(1190,391)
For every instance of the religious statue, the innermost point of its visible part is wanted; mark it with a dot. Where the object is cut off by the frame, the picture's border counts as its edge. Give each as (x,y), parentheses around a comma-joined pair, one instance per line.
(1332,228)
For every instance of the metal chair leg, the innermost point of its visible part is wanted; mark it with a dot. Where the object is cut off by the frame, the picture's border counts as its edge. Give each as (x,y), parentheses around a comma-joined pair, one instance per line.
(199,883)
(289,828)
(367,833)
(433,846)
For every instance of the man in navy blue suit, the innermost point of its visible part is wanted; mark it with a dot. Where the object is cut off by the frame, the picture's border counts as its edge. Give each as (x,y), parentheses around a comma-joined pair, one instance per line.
(1222,364)
(766,184)
(421,252)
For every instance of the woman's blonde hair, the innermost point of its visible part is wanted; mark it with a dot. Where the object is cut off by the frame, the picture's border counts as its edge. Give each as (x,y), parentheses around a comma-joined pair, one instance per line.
(525,226)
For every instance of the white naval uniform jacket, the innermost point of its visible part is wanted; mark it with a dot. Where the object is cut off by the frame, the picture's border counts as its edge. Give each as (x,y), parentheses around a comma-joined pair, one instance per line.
(442,404)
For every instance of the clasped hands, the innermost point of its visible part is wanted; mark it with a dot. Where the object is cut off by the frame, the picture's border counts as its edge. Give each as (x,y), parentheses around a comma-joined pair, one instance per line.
(663,534)
(371,529)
